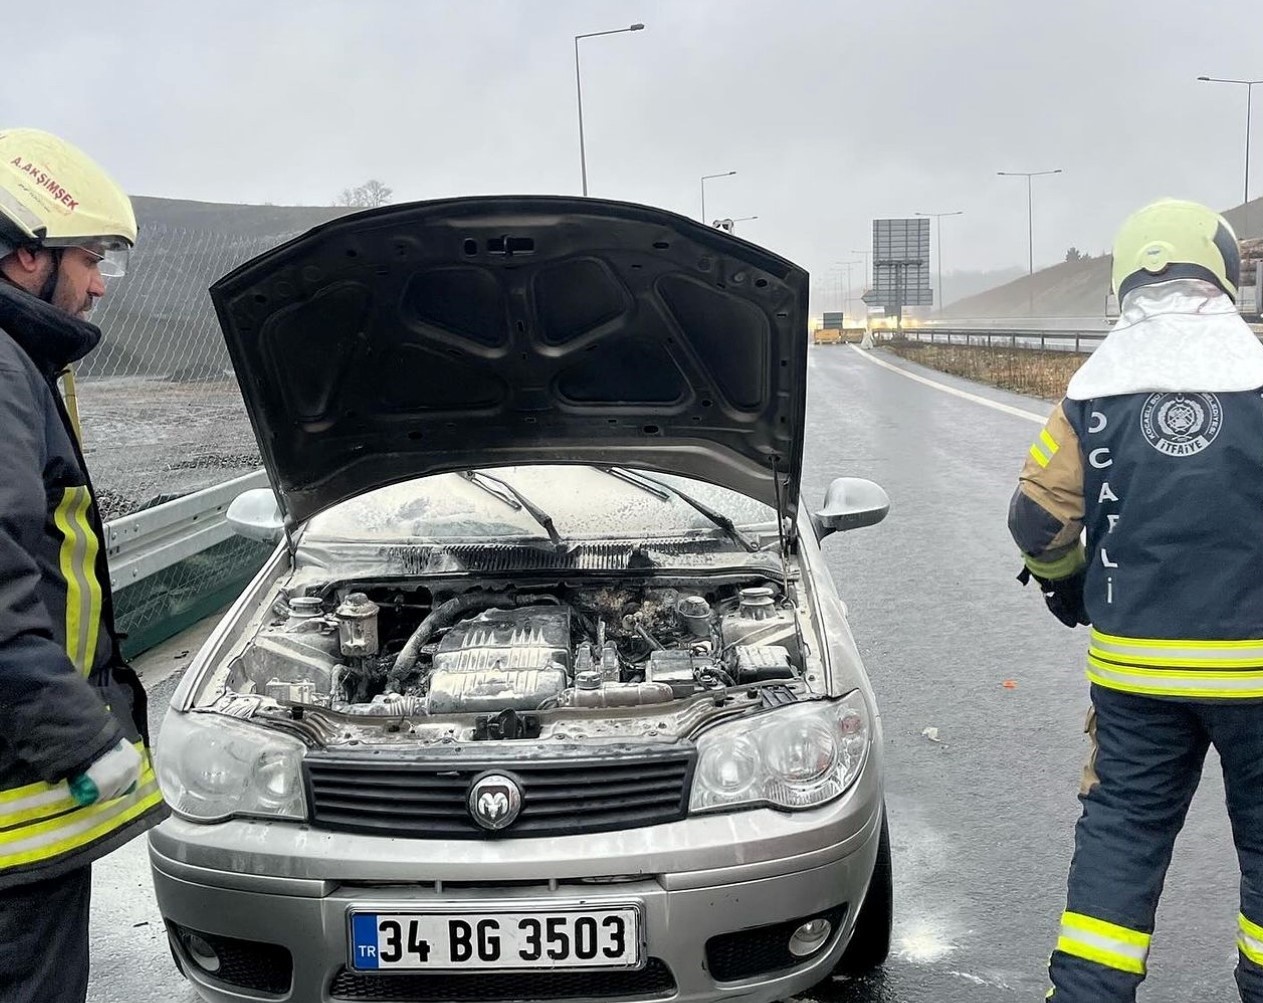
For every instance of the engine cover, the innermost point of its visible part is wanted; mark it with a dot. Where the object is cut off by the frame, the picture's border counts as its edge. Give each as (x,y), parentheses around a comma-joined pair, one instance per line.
(500,660)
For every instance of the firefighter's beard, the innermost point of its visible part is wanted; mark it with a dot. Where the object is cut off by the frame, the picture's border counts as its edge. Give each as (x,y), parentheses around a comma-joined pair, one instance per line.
(72,301)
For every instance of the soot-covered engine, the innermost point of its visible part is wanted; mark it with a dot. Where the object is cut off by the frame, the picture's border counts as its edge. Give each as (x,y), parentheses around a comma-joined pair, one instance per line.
(363,650)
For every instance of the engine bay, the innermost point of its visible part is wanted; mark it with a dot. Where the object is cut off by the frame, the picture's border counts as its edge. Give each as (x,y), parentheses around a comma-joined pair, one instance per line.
(385,649)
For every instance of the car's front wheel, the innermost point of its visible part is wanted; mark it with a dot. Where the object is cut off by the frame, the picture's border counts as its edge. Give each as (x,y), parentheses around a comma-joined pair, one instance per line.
(870,943)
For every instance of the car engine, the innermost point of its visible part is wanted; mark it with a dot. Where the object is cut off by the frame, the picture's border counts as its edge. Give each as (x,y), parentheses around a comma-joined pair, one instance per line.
(385,650)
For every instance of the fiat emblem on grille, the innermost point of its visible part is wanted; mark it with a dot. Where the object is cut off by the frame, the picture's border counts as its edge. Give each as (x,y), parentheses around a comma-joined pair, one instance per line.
(495,801)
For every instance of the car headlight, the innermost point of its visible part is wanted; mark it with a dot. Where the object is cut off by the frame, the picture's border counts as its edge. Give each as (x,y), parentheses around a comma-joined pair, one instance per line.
(211,768)
(799,756)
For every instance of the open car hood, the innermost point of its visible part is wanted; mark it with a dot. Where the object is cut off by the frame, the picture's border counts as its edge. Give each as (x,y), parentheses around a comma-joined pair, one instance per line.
(481,332)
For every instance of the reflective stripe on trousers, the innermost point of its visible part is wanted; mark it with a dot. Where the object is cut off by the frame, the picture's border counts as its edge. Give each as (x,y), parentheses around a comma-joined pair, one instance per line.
(1105,943)
(1203,670)
(77,561)
(40,822)
(1250,939)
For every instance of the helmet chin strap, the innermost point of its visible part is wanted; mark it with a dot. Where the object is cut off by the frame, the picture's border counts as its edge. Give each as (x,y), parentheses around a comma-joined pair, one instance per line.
(48,291)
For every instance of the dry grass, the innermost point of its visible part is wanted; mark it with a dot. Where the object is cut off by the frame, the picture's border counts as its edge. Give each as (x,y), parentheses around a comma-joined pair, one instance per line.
(1021,370)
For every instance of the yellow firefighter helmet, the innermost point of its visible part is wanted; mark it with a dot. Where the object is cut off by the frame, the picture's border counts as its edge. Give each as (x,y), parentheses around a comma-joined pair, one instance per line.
(1173,239)
(53,195)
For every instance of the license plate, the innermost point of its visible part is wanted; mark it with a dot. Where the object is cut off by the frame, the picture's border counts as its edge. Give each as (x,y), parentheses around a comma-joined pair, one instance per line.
(577,938)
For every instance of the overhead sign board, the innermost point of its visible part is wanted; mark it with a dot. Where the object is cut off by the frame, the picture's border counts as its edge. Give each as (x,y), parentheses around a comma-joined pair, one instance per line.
(901,263)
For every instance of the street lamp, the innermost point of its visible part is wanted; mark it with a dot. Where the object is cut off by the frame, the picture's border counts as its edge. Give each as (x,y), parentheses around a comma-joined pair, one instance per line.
(848,265)
(850,297)
(1249,94)
(865,253)
(583,162)
(1030,229)
(707,177)
(938,226)
(837,270)
(729,224)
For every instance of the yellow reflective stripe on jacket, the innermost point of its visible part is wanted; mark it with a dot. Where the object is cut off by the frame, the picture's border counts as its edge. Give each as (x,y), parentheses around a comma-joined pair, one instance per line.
(1063,567)
(77,559)
(1250,939)
(51,828)
(40,800)
(1199,684)
(1104,943)
(69,832)
(1177,653)
(41,821)
(1043,451)
(51,799)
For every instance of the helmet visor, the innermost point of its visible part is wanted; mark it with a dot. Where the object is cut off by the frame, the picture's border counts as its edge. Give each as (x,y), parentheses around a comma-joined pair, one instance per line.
(111,254)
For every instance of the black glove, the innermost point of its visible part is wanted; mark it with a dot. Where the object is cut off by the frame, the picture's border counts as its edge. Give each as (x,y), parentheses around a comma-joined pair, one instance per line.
(1064,596)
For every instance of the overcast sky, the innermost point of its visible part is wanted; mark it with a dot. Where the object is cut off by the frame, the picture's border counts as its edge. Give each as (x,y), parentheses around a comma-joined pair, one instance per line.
(831,113)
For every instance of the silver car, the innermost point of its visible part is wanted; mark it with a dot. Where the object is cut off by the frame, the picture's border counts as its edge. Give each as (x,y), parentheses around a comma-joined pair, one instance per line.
(546,692)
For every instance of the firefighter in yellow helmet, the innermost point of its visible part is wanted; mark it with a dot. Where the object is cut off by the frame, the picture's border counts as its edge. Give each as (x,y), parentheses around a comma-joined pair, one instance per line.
(1156,454)
(75,776)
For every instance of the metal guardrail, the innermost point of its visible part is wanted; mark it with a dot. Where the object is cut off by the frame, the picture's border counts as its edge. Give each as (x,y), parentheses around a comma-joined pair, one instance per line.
(150,541)
(1078,339)
(1030,338)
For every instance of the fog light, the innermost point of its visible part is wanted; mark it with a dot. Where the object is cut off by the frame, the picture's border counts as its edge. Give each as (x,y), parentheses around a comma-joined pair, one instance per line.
(204,955)
(810,937)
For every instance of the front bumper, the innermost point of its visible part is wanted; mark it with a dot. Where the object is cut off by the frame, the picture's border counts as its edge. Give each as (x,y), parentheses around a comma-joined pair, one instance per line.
(699,879)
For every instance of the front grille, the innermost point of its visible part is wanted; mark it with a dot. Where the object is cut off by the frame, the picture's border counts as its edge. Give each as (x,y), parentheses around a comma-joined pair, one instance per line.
(763,950)
(247,964)
(654,979)
(559,796)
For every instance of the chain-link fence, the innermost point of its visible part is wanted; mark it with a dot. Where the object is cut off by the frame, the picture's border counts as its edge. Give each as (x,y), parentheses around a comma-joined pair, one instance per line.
(159,406)
(160,410)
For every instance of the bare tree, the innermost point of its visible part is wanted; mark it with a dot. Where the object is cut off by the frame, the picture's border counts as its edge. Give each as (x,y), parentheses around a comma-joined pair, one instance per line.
(371,194)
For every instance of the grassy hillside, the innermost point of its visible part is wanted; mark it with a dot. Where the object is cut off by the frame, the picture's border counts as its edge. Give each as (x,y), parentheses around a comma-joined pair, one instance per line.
(1075,288)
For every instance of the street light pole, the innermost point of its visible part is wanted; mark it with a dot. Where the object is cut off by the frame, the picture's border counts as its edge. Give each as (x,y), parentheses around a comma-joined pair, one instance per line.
(850,295)
(848,265)
(866,273)
(1249,86)
(705,178)
(1030,229)
(938,227)
(578,84)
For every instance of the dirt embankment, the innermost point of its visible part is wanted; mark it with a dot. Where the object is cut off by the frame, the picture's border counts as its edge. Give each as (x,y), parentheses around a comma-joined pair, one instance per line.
(1021,370)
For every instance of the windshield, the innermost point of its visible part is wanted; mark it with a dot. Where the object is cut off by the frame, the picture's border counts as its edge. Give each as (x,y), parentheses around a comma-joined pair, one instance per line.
(584,504)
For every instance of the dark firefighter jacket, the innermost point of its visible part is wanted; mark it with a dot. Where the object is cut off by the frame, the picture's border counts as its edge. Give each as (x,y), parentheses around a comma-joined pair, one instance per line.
(66,695)
(1169,488)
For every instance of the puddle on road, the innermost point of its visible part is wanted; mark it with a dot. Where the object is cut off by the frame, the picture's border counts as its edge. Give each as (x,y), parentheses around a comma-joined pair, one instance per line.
(922,941)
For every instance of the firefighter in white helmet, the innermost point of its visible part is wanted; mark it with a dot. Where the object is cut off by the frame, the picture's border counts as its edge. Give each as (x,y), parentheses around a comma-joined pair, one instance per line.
(75,776)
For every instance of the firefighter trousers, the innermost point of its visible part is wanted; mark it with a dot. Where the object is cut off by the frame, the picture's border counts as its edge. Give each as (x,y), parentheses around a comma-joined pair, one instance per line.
(44,939)
(1145,766)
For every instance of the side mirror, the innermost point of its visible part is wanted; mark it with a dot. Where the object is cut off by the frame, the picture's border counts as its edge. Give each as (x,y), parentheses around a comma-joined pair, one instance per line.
(255,515)
(851,502)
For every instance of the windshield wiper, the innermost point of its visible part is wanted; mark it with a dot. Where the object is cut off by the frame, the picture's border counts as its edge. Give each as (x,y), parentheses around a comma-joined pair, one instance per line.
(626,475)
(515,500)
(658,489)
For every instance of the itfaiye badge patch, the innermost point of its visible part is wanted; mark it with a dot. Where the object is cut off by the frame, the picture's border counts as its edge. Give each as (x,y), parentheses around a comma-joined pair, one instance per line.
(1181,424)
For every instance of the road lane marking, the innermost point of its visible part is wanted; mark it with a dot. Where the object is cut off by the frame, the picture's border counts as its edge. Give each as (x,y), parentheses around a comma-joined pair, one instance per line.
(1017,412)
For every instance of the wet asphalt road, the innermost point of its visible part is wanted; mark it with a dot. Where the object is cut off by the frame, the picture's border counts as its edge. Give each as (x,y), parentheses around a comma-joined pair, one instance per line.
(982,822)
